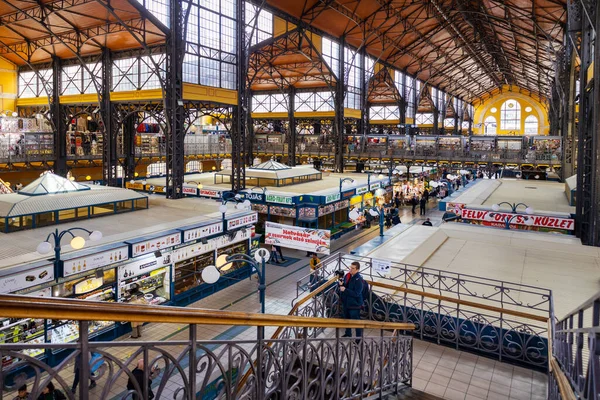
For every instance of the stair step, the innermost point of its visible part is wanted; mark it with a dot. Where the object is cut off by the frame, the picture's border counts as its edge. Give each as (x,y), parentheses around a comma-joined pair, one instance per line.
(412,394)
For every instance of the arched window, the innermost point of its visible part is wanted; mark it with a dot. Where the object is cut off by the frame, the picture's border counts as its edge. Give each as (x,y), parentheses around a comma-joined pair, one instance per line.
(489,126)
(531,125)
(510,115)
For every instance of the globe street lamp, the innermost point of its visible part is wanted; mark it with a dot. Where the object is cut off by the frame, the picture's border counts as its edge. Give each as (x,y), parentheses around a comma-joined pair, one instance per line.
(239,203)
(77,242)
(509,218)
(344,180)
(211,274)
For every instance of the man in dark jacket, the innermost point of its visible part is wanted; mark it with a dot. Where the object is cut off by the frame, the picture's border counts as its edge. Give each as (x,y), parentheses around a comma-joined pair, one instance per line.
(423,204)
(352,296)
(138,374)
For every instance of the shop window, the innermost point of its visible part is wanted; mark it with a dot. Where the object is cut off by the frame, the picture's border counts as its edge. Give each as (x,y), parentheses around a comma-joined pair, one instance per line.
(489,126)
(260,28)
(510,115)
(424,119)
(83,212)
(531,125)
(2,224)
(331,55)
(448,122)
(156,169)
(140,204)
(188,273)
(124,206)
(103,209)
(193,166)
(66,215)
(44,219)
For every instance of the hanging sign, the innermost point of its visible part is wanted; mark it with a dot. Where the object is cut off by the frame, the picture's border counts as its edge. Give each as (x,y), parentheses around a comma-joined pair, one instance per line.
(210,193)
(381,267)
(259,197)
(542,221)
(190,190)
(276,198)
(375,185)
(34,277)
(151,245)
(295,237)
(330,198)
(93,261)
(362,190)
(242,221)
(203,231)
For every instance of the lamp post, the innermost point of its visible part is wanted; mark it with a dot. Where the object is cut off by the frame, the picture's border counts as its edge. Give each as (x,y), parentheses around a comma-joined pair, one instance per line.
(211,274)
(77,242)
(237,199)
(378,212)
(343,180)
(198,184)
(509,218)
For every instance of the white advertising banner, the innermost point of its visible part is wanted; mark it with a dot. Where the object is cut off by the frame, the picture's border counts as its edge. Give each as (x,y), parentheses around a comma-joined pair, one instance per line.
(295,237)
(33,277)
(93,261)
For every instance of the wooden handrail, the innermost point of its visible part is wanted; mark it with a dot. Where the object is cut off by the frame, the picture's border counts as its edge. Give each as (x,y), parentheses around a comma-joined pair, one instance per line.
(564,387)
(459,301)
(14,306)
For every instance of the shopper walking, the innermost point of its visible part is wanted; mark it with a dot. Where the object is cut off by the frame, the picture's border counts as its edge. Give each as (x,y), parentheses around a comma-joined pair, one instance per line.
(138,375)
(422,205)
(352,296)
(315,264)
(78,372)
(274,254)
(426,195)
(278,248)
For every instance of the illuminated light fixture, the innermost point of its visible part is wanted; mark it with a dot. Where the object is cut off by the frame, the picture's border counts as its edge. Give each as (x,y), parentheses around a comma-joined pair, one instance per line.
(77,242)
(494,109)
(136,174)
(528,109)
(214,168)
(87,178)
(222,264)
(89,117)
(199,186)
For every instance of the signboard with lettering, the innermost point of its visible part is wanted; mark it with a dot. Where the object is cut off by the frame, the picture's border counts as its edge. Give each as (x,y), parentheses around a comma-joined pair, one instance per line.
(362,190)
(93,261)
(151,245)
(295,237)
(203,231)
(375,185)
(190,190)
(210,193)
(242,221)
(22,280)
(330,198)
(258,197)
(494,218)
(277,198)
(140,267)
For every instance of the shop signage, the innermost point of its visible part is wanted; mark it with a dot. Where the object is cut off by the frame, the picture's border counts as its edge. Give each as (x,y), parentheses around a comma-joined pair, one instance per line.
(151,245)
(140,267)
(87,285)
(389,189)
(242,221)
(134,186)
(455,207)
(33,277)
(255,196)
(330,198)
(362,190)
(347,195)
(277,198)
(190,190)
(381,267)
(203,231)
(375,185)
(93,261)
(542,221)
(210,193)
(308,239)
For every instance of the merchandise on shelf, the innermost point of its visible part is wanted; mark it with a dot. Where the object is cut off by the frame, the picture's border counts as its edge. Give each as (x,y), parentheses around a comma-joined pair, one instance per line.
(148,288)
(188,273)
(26,331)
(84,143)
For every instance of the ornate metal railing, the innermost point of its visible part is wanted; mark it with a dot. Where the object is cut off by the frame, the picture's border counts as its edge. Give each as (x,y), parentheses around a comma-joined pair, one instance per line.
(498,319)
(576,348)
(289,367)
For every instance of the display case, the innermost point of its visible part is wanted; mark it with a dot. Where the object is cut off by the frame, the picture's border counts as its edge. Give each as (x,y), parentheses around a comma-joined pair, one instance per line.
(237,248)
(483,143)
(188,273)
(94,287)
(450,143)
(149,288)
(25,331)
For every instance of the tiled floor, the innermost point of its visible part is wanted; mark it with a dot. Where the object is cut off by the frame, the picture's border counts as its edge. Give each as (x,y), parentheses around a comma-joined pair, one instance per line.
(457,375)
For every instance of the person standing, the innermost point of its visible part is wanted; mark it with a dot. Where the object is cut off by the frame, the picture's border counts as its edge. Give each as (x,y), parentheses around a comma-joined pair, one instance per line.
(51,393)
(426,195)
(23,394)
(314,265)
(352,296)
(422,204)
(274,254)
(414,203)
(427,222)
(78,371)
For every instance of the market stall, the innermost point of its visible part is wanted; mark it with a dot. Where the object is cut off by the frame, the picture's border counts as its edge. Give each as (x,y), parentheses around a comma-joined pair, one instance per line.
(449,146)
(425,145)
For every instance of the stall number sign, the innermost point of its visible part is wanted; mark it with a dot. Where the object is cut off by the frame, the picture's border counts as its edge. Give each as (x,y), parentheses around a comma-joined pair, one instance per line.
(275,198)
(538,220)
(242,221)
(34,277)
(152,245)
(190,190)
(203,231)
(210,193)
(330,198)
(93,261)
(381,267)
(362,190)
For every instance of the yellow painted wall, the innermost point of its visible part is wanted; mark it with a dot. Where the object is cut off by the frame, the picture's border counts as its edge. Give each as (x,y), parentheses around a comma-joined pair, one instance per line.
(483,110)
(8,85)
